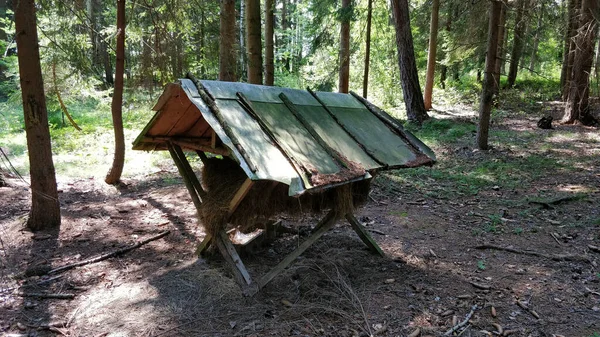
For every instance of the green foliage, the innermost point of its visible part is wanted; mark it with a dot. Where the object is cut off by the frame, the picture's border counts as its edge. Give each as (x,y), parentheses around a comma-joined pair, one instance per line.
(481,265)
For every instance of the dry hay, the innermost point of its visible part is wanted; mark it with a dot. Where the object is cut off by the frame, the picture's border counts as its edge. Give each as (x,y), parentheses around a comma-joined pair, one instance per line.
(222,178)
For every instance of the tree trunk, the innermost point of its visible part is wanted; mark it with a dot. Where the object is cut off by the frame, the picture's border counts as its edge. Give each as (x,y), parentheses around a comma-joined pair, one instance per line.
(444,67)
(518,42)
(253,42)
(3,8)
(536,38)
(344,54)
(431,56)
(114,174)
(367,49)
(487,93)
(269,52)
(285,58)
(570,56)
(500,56)
(577,106)
(413,98)
(108,71)
(227,51)
(242,37)
(45,208)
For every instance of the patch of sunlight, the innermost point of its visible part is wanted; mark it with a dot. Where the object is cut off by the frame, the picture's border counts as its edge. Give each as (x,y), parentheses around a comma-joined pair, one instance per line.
(562,137)
(575,188)
(104,308)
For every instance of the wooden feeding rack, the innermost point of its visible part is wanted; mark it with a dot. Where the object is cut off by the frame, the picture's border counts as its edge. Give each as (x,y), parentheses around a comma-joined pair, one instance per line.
(309,141)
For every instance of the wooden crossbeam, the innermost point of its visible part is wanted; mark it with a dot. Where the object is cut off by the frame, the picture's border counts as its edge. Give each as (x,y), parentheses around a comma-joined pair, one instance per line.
(324,225)
(190,172)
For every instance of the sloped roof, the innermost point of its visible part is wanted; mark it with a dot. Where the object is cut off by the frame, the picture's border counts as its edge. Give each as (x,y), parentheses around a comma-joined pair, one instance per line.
(301,138)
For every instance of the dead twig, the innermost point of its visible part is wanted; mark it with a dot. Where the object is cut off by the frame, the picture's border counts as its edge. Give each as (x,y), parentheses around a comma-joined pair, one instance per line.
(594,248)
(48,295)
(480,286)
(554,257)
(555,238)
(463,323)
(525,307)
(108,255)
(376,231)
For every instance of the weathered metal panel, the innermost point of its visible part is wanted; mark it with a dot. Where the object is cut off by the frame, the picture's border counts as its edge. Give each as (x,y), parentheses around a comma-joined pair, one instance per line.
(295,139)
(375,136)
(333,134)
(229,90)
(271,164)
(333,99)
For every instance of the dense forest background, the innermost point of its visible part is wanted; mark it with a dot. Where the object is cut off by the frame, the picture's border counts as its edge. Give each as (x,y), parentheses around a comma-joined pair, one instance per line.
(165,39)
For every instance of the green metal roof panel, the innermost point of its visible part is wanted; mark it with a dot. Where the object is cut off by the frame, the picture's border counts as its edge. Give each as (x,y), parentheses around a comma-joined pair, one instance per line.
(295,139)
(375,136)
(335,136)
(268,160)
(229,90)
(333,99)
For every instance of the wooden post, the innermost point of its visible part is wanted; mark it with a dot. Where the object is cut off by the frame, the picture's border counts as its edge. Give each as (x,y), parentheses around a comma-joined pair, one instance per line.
(363,234)
(188,168)
(186,179)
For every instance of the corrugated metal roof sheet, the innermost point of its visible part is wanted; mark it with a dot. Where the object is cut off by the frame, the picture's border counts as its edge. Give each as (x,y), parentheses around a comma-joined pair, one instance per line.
(301,138)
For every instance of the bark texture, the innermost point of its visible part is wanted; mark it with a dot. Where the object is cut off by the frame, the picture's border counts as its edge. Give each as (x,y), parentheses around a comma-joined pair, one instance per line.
(227,52)
(431,56)
(344,54)
(569,56)
(254,42)
(487,93)
(367,49)
(114,174)
(518,42)
(45,208)
(577,107)
(411,90)
(269,52)
(500,56)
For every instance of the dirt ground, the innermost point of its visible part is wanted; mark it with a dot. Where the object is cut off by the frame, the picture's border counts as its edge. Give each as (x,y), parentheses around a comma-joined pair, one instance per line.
(546,282)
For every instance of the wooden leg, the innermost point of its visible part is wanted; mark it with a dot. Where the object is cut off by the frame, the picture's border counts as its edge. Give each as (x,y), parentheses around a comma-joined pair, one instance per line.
(190,173)
(363,234)
(186,179)
(324,225)
(240,274)
(203,246)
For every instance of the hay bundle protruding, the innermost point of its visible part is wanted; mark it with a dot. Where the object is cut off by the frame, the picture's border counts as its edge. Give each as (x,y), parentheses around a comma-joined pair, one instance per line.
(222,178)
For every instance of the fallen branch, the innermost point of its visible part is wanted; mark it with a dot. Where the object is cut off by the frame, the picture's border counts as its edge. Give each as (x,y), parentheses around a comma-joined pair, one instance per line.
(525,307)
(376,231)
(463,323)
(107,256)
(547,204)
(555,257)
(594,248)
(48,295)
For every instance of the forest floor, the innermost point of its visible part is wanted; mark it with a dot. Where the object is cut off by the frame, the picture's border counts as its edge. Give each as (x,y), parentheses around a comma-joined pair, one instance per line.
(514,231)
